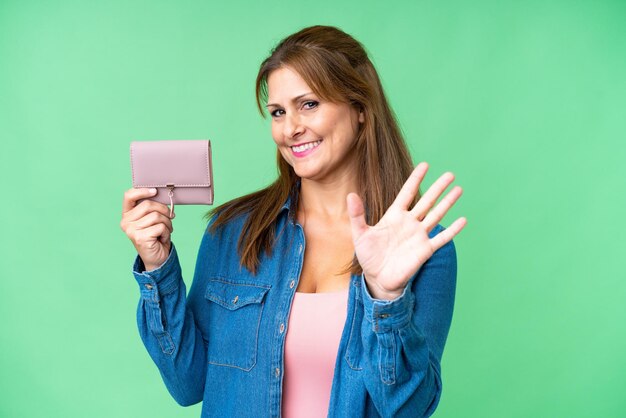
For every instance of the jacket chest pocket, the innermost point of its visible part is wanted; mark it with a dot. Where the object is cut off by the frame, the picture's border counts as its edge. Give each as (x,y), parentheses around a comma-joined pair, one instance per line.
(235,312)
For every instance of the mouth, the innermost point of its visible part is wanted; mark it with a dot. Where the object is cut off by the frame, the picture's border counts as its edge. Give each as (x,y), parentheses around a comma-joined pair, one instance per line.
(304,149)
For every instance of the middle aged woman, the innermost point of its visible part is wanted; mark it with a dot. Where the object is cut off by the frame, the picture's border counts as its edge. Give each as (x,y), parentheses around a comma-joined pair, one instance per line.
(330,291)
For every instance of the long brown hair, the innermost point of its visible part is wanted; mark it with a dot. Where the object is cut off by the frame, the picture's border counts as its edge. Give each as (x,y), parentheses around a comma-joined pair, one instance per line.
(337,68)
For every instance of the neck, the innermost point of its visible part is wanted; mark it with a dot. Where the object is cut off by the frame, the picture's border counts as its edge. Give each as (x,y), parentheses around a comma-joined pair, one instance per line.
(326,200)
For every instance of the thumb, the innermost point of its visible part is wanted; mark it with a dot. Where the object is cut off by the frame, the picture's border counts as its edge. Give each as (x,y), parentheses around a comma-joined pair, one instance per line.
(356,212)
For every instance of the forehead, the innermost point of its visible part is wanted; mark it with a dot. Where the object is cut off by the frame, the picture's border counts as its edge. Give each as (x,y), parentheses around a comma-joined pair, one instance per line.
(284,84)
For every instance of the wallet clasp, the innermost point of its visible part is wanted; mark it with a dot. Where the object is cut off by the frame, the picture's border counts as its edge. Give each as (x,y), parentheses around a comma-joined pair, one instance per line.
(171,187)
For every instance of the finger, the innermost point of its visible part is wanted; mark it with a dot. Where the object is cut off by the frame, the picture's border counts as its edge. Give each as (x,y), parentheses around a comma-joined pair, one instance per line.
(131,196)
(439,211)
(154,218)
(158,232)
(421,208)
(411,186)
(356,212)
(447,234)
(145,208)
(165,239)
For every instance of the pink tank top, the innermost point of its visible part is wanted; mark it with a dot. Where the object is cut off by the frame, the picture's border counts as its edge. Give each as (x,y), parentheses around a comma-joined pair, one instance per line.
(315,325)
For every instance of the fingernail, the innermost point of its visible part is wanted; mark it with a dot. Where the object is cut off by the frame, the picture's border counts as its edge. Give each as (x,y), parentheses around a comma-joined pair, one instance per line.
(153,190)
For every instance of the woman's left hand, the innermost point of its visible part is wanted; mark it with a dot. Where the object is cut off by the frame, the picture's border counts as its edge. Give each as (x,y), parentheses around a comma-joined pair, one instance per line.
(392,251)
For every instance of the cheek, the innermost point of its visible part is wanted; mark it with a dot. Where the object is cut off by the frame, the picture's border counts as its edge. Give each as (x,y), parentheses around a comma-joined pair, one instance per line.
(341,129)
(330,123)
(286,154)
(321,124)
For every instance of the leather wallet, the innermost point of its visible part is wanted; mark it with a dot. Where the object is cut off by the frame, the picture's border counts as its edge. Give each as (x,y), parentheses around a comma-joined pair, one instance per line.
(180,170)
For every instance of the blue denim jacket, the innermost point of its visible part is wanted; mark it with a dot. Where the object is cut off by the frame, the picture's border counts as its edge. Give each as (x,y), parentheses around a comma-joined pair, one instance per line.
(223,343)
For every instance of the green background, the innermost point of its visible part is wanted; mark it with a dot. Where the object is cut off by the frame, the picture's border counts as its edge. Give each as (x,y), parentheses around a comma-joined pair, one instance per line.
(524,101)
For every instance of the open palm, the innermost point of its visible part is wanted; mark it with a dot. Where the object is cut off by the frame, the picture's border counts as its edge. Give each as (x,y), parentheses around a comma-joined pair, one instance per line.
(394,249)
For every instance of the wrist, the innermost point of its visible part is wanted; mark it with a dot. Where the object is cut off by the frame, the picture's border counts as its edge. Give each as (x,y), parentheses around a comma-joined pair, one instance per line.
(153,266)
(379,293)
(150,267)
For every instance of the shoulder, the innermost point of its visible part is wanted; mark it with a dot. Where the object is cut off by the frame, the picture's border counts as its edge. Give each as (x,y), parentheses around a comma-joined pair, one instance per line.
(231,222)
(223,228)
(218,250)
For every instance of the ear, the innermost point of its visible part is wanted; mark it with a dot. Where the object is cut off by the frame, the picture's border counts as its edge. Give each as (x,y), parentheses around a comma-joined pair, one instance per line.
(361,116)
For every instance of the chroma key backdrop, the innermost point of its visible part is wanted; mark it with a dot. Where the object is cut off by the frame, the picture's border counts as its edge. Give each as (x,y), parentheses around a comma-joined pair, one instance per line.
(525,102)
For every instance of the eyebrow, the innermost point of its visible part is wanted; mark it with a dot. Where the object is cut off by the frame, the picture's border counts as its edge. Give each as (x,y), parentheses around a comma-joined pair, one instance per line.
(295,99)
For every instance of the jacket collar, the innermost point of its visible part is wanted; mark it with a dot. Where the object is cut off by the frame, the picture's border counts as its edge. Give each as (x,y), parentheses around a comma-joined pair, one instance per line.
(286,204)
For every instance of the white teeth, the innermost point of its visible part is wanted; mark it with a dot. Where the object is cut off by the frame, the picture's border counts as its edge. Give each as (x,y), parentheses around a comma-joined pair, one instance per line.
(306,146)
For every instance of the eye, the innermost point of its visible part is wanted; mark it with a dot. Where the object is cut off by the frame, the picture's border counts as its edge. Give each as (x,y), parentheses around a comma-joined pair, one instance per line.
(313,104)
(273,113)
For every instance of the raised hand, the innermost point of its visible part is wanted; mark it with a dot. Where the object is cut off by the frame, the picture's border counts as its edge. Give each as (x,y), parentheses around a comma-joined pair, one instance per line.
(392,251)
(148,226)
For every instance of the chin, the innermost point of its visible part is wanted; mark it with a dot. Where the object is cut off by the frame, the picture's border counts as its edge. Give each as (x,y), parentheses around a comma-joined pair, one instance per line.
(306,174)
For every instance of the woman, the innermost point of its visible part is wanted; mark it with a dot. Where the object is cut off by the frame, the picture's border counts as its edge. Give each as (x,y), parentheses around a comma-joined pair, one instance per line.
(329,292)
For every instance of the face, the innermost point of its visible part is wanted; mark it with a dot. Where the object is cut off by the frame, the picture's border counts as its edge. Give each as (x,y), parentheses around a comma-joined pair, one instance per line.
(314,136)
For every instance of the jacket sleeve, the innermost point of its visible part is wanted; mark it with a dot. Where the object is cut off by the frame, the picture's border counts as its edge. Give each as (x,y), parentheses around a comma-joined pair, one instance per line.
(403,339)
(168,329)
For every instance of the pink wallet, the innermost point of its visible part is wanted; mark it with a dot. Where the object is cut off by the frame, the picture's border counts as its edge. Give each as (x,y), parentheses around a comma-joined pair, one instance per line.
(180,170)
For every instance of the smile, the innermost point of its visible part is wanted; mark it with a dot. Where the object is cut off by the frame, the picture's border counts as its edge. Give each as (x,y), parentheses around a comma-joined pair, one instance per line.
(307,146)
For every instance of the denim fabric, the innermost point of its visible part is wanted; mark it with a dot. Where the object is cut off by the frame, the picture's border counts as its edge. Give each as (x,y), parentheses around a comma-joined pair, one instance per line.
(223,343)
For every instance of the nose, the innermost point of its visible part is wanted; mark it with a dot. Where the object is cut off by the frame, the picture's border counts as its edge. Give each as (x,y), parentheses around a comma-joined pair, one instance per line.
(292,127)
